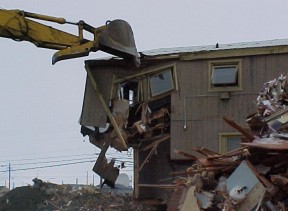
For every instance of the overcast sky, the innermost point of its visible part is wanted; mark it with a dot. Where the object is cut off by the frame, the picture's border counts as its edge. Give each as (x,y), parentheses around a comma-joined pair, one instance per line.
(41,103)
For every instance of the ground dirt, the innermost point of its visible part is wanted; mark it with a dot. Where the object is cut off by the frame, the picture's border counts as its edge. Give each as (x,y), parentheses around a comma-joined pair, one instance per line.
(53,197)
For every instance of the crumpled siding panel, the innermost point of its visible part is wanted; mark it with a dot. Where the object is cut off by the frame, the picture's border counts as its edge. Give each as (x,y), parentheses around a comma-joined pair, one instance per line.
(93,113)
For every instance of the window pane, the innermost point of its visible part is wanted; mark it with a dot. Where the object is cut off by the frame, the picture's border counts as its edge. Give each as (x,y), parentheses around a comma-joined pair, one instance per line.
(224,75)
(233,143)
(161,83)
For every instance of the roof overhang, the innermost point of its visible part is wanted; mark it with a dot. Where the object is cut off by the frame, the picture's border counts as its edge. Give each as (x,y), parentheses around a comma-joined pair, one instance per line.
(269,47)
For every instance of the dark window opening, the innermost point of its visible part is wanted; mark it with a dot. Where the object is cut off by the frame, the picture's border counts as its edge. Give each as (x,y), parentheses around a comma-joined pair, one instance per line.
(129,91)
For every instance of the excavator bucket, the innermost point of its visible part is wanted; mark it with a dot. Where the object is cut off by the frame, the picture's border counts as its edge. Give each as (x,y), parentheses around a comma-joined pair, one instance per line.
(115,38)
(118,39)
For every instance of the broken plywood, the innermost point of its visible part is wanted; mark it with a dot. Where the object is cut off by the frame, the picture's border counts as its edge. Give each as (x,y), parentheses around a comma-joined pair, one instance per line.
(190,201)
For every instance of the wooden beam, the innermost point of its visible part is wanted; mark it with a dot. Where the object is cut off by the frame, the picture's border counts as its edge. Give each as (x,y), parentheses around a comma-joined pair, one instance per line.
(106,108)
(263,179)
(136,173)
(163,186)
(235,125)
(185,154)
(166,137)
(148,156)
(235,152)
(144,74)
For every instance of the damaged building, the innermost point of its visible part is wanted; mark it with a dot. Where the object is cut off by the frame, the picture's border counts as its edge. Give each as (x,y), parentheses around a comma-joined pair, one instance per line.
(173,102)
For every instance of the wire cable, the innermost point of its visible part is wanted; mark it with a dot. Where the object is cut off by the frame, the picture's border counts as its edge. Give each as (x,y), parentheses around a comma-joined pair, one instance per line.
(50,166)
(43,158)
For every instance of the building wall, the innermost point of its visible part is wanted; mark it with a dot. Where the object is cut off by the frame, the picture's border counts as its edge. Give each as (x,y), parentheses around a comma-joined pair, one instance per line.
(197,113)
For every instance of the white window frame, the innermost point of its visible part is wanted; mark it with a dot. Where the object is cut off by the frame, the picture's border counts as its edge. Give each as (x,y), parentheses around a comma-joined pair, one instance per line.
(228,87)
(169,89)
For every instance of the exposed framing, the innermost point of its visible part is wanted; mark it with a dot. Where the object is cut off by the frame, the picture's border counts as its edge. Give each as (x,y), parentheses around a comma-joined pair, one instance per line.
(223,63)
(143,81)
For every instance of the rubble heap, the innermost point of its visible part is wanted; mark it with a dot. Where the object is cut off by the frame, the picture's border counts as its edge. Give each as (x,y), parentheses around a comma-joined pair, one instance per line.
(271,116)
(253,177)
(44,196)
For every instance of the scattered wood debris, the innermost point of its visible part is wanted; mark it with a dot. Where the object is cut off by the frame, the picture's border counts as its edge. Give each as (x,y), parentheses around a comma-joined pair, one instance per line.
(253,177)
(44,196)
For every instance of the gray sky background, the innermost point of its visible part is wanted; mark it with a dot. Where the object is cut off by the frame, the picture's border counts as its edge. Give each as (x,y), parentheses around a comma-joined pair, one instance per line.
(41,103)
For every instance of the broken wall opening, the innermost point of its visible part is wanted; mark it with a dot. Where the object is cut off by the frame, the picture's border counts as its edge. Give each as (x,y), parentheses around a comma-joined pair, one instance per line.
(130,113)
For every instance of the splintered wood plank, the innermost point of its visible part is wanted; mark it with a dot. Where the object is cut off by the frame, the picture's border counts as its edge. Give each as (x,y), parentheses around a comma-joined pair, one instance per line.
(235,125)
(148,157)
(277,145)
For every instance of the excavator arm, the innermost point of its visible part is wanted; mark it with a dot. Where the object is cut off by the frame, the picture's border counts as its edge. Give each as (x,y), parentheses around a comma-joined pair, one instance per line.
(116,37)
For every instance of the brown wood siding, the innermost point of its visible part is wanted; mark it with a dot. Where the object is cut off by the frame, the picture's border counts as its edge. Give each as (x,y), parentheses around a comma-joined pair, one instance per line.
(93,113)
(204,110)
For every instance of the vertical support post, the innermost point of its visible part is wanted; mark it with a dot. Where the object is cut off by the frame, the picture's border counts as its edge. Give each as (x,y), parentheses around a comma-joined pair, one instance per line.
(9,170)
(101,181)
(136,174)
(87,178)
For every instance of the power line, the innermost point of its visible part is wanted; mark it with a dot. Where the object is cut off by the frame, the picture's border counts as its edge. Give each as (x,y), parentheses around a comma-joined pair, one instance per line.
(43,158)
(50,166)
(112,154)
(77,159)
(51,161)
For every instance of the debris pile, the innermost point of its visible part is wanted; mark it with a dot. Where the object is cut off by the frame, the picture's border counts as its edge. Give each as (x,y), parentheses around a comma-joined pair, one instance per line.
(269,122)
(44,196)
(253,177)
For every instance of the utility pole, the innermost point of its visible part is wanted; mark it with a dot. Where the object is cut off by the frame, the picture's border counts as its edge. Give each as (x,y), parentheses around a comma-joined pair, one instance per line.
(9,170)
(87,178)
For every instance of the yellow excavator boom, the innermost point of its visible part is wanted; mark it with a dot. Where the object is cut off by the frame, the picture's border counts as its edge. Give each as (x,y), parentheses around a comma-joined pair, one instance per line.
(116,37)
